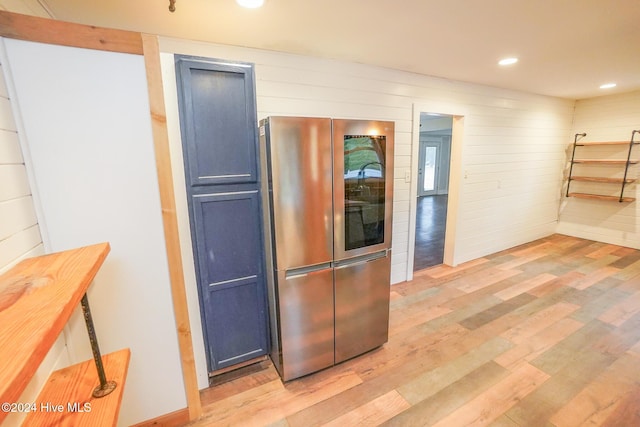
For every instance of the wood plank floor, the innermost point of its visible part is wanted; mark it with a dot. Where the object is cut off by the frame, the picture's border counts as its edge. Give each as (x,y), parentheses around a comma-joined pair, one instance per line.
(431,219)
(545,334)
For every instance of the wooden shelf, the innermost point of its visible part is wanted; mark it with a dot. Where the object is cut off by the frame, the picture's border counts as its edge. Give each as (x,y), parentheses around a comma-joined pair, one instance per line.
(66,399)
(606,162)
(602,179)
(603,162)
(604,143)
(600,197)
(37,297)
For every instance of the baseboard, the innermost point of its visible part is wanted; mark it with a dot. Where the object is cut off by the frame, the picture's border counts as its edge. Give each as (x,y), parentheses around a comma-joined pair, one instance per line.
(172,419)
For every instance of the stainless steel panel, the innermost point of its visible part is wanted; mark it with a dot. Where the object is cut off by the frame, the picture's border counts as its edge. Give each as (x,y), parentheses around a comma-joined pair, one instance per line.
(300,189)
(361,304)
(306,319)
(353,210)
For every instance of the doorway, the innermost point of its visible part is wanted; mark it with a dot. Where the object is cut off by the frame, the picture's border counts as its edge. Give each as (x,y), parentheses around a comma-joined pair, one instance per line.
(434,156)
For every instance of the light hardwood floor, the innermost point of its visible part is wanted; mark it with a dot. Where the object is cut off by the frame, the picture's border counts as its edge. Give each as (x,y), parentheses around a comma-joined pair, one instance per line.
(545,334)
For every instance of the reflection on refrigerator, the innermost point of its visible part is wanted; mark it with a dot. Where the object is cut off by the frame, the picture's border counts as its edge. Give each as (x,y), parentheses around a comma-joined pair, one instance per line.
(328,203)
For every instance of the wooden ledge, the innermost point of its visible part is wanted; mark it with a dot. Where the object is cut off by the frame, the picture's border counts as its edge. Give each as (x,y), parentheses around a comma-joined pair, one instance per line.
(600,197)
(66,399)
(605,162)
(37,297)
(602,179)
(604,143)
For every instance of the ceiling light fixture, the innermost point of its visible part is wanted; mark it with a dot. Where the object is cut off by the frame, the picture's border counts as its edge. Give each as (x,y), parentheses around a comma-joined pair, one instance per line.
(607,86)
(250,4)
(507,61)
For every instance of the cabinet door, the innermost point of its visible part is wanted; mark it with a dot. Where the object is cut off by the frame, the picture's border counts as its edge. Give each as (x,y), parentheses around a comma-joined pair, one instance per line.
(228,245)
(219,121)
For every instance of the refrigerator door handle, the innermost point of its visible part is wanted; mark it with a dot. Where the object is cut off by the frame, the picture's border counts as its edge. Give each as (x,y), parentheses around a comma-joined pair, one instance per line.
(305,271)
(361,259)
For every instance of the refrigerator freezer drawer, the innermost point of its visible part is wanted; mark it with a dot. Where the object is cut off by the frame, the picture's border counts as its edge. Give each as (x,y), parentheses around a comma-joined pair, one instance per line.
(306,322)
(361,305)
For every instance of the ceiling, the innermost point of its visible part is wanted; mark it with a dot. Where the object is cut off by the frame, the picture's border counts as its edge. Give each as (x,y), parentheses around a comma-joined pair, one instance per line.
(567,48)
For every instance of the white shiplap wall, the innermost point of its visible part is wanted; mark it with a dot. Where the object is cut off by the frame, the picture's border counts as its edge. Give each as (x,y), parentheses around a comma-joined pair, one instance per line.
(19,231)
(512,154)
(606,118)
(513,142)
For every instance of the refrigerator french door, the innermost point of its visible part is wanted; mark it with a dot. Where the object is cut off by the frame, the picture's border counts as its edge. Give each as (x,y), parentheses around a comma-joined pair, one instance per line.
(328,291)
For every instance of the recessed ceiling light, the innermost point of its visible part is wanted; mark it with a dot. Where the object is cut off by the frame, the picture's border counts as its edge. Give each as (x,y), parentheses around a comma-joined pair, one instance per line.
(507,61)
(250,4)
(607,86)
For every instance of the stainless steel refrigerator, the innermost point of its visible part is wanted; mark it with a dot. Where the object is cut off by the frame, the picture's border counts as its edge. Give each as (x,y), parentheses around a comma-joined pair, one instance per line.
(327,189)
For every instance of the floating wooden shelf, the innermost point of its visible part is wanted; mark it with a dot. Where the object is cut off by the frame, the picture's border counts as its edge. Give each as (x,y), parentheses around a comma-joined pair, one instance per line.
(600,197)
(66,399)
(606,161)
(604,143)
(602,179)
(37,298)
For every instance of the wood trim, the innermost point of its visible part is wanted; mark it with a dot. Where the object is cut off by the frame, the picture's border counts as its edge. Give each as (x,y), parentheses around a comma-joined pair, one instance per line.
(172,419)
(43,30)
(170,221)
(455,184)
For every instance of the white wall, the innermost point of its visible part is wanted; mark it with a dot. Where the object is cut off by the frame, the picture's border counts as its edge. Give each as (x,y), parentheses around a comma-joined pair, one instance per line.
(513,142)
(606,118)
(512,156)
(19,230)
(87,128)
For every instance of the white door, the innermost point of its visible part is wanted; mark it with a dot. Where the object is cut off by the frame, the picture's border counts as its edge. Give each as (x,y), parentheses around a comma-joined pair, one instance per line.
(428,167)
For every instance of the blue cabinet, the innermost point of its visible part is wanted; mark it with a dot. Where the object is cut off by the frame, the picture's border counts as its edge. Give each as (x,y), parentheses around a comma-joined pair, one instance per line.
(218,125)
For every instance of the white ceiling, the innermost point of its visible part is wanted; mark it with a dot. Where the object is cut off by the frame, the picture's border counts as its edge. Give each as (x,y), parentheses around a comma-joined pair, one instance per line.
(567,48)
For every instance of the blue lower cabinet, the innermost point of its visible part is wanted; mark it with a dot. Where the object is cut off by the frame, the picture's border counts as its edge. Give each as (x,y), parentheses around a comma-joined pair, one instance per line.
(239,310)
(229,245)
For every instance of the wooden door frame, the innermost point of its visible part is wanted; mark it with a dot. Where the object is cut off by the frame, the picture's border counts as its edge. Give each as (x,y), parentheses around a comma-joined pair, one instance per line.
(43,30)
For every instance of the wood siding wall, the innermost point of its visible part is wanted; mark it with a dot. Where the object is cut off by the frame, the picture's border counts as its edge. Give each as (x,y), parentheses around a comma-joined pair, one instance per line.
(606,118)
(513,149)
(19,231)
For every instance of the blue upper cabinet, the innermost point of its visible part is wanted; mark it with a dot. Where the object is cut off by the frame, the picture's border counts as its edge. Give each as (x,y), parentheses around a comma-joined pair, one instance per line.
(218,124)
